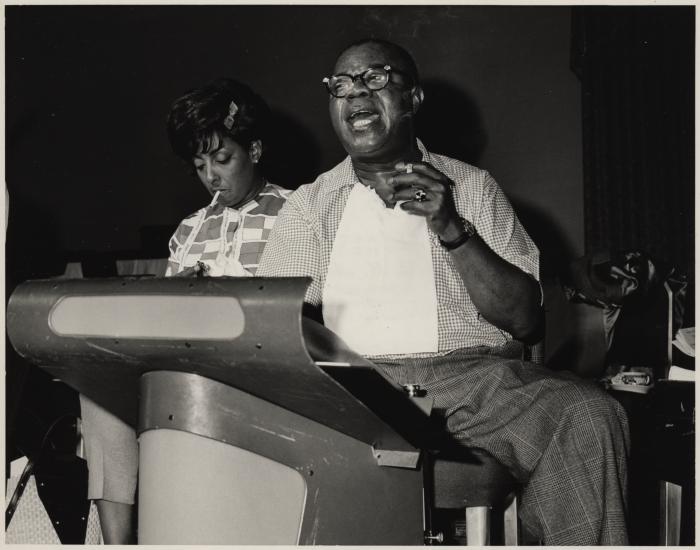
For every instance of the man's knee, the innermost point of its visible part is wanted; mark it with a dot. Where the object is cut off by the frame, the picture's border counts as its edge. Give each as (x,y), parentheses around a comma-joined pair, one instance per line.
(588,404)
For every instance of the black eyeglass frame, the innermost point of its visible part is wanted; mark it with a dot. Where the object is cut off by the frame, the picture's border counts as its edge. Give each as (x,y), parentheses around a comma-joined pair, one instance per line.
(361,76)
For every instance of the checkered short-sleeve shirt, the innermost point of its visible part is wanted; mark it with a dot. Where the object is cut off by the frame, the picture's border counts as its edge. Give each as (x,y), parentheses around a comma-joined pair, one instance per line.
(302,241)
(240,233)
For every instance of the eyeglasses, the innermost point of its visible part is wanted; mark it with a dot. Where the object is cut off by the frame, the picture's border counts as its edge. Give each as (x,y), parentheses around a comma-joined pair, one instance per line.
(374,79)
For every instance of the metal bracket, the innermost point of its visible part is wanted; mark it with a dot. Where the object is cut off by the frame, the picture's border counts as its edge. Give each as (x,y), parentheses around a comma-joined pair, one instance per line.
(396,459)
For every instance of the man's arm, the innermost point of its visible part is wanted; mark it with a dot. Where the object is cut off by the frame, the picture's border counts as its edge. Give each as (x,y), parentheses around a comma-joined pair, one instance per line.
(504,294)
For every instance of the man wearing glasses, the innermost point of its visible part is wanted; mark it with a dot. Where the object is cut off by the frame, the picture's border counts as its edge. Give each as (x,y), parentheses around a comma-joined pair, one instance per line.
(420,264)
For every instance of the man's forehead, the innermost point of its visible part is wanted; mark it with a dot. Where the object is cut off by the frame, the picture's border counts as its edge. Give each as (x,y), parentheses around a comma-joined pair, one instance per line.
(363,56)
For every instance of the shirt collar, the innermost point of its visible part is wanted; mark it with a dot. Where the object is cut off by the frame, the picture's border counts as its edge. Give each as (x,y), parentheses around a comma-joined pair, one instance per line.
(252,203)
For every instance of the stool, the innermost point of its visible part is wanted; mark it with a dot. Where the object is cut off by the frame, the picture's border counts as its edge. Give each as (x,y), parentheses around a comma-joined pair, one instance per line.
(475,481)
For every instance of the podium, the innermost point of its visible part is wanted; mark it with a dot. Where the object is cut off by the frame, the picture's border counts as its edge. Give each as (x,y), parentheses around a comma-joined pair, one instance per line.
(255,426)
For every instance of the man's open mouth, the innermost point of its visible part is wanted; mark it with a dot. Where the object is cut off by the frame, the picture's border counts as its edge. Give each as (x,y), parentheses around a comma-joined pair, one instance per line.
(361,119)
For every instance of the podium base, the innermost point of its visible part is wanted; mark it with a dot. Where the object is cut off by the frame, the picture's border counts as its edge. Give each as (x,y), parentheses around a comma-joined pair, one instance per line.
(221,466)
(195,490)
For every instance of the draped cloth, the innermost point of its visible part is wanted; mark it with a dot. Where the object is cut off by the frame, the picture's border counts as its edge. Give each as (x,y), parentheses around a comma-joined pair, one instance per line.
(380,294)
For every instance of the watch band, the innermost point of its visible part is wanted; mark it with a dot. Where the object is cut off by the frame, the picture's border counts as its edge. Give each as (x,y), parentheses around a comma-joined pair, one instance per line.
(468,233)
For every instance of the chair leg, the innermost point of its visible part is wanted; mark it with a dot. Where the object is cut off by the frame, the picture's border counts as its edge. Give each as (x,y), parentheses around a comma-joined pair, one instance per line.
(670,514)
(510,523)
(478,526)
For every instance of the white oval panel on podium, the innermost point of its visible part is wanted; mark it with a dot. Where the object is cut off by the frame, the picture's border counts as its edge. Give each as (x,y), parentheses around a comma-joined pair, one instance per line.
(144,317)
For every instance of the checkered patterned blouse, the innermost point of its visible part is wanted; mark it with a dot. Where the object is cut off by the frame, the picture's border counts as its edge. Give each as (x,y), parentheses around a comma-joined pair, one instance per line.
(302,240)
(238,234)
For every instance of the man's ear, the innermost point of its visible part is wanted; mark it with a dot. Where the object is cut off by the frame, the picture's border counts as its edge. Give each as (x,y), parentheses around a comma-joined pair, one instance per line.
(417,98)
(255,151)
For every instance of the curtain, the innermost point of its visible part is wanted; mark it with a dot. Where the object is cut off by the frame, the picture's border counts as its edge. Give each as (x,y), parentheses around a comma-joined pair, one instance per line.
(636,67)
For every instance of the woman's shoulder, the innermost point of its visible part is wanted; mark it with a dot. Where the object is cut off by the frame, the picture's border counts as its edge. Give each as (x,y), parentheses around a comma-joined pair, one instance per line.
(193,218)
(272,189)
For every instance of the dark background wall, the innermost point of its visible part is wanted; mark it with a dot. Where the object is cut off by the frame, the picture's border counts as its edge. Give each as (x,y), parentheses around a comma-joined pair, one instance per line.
(89,168)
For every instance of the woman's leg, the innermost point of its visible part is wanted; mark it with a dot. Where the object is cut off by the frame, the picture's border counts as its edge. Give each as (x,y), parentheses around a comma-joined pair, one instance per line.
(116,521)
(111,450)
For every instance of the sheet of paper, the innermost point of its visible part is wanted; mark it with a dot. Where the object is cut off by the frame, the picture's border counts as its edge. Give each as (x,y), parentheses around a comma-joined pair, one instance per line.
(678,373)
(685,341)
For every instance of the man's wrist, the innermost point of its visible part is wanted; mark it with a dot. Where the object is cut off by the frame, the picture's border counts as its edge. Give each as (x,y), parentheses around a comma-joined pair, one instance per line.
(466,231)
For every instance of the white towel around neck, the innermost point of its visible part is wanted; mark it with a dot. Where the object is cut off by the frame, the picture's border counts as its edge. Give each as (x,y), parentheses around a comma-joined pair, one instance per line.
(379,295)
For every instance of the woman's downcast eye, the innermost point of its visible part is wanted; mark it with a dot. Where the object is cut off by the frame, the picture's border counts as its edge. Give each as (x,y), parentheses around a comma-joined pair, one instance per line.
(224,158)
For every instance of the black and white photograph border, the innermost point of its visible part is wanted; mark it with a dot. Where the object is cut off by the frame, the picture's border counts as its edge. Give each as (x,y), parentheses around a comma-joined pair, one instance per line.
(171,374)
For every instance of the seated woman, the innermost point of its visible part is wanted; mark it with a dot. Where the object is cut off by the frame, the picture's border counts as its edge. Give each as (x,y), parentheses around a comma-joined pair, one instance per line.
(219,130)
(223,139)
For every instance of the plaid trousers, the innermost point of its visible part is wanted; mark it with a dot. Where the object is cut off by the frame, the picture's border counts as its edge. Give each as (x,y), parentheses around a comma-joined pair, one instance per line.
(564,438)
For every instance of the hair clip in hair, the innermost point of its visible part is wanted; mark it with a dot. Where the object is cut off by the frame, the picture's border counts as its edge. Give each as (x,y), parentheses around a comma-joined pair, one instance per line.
(232,110)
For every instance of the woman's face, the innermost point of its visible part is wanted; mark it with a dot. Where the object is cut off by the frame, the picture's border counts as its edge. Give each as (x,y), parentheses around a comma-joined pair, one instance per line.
(230,169)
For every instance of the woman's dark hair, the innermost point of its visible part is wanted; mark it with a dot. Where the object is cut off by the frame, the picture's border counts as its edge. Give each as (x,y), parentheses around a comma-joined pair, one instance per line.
(198,119)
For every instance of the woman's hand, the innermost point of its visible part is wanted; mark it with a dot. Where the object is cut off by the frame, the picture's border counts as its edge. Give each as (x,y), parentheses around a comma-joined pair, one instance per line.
(200,269)
(428,193)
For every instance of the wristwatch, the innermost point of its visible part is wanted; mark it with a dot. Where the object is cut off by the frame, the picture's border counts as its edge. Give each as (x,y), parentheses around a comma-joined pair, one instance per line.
(468,232)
